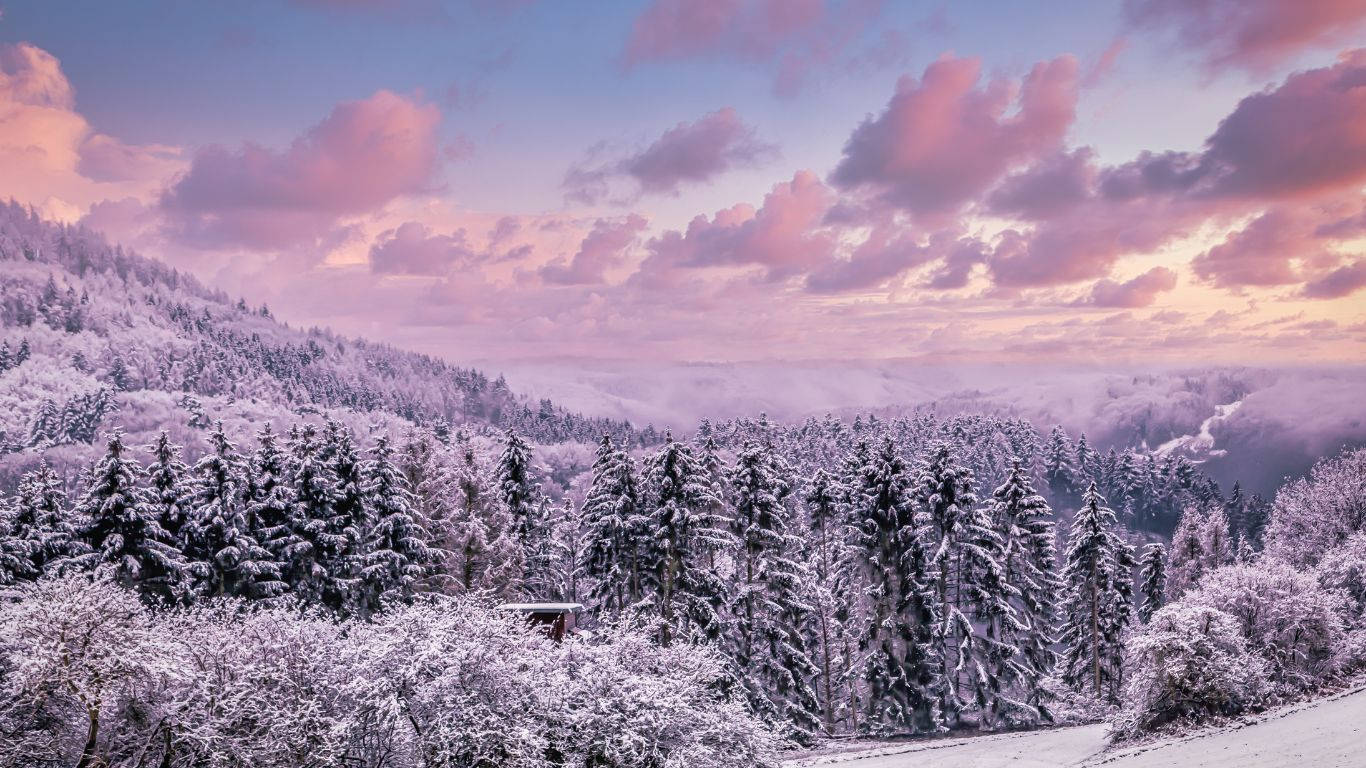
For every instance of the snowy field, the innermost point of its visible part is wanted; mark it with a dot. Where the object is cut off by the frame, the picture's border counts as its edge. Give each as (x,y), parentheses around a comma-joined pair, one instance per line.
(1322,734)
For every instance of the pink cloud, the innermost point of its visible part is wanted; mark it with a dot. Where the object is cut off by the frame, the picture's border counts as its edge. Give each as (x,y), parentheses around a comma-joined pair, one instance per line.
(602,249)
(414,249)
(794,39)
(943,140)
(50,155)
(1343,281)
(105,158)
(750,28)
(364,154)
(1279,247)
(782,236)
(1051,186)
(883,257)
(1306,136)
(693,153)
(1141,291)
(1254,35)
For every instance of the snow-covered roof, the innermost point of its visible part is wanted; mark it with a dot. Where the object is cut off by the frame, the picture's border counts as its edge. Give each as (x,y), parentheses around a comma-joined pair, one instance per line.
(541,607)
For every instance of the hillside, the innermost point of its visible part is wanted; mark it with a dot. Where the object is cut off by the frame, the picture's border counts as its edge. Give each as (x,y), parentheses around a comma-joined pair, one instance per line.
(93,336)
(1325,733)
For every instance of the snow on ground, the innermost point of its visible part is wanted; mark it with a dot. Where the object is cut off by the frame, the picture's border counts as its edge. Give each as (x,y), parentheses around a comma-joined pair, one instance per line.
(1327,733)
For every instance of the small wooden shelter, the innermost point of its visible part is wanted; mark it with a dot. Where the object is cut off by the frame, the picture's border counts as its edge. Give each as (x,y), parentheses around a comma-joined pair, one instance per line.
(557,619)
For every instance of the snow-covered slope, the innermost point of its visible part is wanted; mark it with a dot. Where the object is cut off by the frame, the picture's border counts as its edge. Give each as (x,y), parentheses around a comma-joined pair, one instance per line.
(1327,733)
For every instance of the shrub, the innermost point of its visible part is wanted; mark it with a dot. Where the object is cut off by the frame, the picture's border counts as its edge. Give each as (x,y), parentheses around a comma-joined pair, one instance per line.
(1188,661)
(1284,615)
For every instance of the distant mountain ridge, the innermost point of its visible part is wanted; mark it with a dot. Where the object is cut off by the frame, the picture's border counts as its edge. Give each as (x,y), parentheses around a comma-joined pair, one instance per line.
(106,331)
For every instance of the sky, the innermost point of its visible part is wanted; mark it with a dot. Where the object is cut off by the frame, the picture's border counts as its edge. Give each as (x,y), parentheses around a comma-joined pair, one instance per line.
(1115,182)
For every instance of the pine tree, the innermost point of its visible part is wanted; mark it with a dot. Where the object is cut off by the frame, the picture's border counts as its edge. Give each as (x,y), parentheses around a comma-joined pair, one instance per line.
(121,533)
(311,528)
(477,530)
(1186,563)
(167,494)
(769,610)
(1030,566)
(398,558)
(683,528)
(269,503)
(40,529)
(828,547)
(521,497)
(615,533)
(1091,573)
(904,670)
(960,545)
(226,559)
(1153,580)
(342,552)
(1058,466)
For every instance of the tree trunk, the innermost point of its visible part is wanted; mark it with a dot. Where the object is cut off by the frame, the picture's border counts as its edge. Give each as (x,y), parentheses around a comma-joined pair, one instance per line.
(88,757)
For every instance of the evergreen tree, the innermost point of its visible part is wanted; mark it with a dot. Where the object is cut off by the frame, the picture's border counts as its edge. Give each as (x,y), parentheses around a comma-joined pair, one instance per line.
(226,559)
(40,529)
(769,611)
(1058,468)
(342,552)
(1030,566)
(1153,580)
(269,504)
(615,531)
(476,529)
(521,497)
(1187,561)
(167,495)
(827,543)
(904,670)
(312,531)
(1091,573)
(961,546)
(683,528)
(398,558)
(121,533)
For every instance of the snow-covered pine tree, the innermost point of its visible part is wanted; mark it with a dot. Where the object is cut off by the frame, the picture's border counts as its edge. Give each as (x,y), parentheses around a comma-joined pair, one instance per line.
(521,497)
(224,557)
(1030,564)
(397,558)
(1152,580)
(769,611)
(1057,462)
(478,535)
(615,534)
(40,528)
(960,543)
(1236,508)
(1119,610)
(1187,558)
(121,533)
(310,526)
(167,493)
(269,502)
(518,492)
(1091,574)
(827,543)
(683,529)
(1086,462)
(342,552)
(904,670)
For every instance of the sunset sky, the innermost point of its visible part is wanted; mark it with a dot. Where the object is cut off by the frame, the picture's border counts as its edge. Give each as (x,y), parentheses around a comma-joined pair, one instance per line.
(1138,181)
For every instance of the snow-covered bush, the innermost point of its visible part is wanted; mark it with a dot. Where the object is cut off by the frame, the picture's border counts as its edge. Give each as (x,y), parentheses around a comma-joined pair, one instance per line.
(1285,615)
(1313,515)
(1344,569)
(1188,661)
(90,676)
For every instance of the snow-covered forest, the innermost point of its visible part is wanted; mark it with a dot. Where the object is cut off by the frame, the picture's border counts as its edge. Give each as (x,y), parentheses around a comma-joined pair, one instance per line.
(225,542)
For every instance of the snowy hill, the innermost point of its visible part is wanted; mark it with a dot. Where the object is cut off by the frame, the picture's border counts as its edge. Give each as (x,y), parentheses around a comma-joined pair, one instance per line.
(93,337)
(1325,733)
